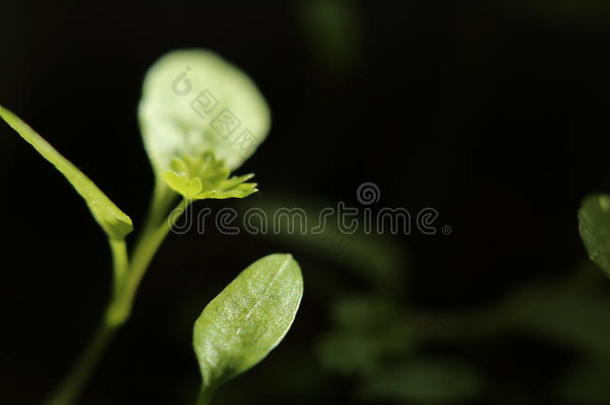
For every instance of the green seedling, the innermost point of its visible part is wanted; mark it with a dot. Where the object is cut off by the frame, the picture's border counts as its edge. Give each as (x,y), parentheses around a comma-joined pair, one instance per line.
(200,118)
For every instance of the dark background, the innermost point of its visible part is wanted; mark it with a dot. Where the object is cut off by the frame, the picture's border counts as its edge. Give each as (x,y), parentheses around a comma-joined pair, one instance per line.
(493,112)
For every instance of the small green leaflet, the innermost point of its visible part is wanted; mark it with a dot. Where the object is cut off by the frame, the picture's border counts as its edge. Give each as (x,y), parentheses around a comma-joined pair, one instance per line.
(594,225)
(115,223)
(239,327)
(193,101)
(206,177)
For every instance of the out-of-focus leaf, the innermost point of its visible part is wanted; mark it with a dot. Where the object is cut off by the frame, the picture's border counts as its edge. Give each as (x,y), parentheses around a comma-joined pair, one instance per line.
(113,221)
(368,332)
(349,353)
(564,313)
(239,327)
(594,226)
(333,29)
(296,222)
(424,381)
(587,383)
(193,101)
(365,313)
(571,311)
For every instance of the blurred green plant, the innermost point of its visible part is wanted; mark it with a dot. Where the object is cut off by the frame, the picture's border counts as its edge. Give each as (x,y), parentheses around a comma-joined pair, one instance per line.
(373,336)
(192,159)
(378,341)
(424,381)
(594,226)
(333,30)
(377,260)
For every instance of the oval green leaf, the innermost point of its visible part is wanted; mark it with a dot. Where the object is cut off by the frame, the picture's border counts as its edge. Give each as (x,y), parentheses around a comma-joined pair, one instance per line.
(594,226)
(239,327)
(193,101)
(113,221)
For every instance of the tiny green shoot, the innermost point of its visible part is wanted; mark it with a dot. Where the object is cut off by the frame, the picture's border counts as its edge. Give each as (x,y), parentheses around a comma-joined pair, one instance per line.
(200,118)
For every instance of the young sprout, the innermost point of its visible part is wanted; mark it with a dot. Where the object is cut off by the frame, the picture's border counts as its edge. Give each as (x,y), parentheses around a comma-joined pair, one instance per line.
(200,118)
(202,177)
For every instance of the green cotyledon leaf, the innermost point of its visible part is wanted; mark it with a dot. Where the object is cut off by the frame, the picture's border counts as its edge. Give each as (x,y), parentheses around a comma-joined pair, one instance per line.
(594,226)
(198,178)
(113,221)
(193,101)
(239,327)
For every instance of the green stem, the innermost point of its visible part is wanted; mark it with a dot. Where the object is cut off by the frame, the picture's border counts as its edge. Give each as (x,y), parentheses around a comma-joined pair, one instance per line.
(205,395)
(127,278)
(81,372)
(120,261)
(162,200)
(145,251)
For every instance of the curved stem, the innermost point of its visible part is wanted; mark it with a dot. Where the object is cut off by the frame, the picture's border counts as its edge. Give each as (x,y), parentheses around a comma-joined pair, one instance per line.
(205,395)
(162,200)
(145,251)
(127,278)
(120,261)
(81,372)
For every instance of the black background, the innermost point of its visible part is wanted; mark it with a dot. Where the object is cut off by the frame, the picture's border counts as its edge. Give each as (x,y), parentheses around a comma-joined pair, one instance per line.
(494,113)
